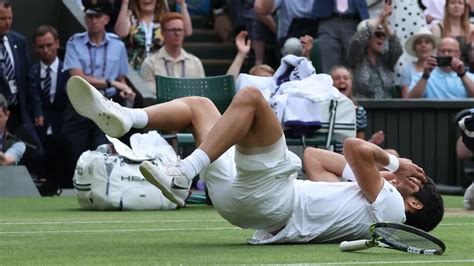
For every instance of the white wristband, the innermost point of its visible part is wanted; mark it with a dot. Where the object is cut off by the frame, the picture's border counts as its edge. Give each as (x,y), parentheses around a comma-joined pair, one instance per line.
(393,163)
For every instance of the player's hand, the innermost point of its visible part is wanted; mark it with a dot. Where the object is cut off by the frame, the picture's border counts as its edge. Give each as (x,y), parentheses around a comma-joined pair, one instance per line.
(408,169)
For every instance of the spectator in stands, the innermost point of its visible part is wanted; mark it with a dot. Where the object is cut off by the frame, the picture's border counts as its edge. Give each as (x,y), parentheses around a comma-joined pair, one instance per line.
(420,45)
(259,32)
(456,24)
(139,25)
(443,80)
(337,24)
(24,103)
(371,63)
(295,14)
(171,60)
(342,78)
(101,59)
(433,10)
(464,150)
(262,71)
(11,150)
(50,83)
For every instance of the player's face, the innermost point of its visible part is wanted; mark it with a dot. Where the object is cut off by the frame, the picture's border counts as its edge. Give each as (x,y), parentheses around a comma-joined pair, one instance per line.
(407,188)
(46,47)
(342,81)
(6,18)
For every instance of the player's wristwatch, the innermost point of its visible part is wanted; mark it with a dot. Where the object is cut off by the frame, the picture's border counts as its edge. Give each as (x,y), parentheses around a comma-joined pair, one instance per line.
(108,83)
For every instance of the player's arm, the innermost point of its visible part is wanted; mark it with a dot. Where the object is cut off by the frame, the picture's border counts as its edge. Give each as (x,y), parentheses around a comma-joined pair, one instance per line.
(364,159)
(323,165)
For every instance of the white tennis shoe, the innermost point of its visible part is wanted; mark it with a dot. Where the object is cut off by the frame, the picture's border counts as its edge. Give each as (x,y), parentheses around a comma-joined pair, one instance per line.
(163,177)
(109,116)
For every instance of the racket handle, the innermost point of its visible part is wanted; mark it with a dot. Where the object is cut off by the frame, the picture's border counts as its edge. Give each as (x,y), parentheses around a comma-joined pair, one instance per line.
(355,245)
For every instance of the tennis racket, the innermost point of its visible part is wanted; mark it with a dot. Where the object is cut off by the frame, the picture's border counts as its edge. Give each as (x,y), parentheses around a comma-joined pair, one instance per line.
(400,237)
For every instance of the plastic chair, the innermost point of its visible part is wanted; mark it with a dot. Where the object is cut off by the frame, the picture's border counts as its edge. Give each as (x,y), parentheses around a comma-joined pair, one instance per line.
(219,89)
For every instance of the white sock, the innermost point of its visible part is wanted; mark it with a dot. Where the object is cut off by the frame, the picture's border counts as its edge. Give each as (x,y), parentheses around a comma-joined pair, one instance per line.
(139,117)
(193,164)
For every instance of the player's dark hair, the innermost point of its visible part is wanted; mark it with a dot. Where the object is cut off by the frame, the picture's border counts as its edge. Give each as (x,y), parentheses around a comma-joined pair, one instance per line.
(433,207)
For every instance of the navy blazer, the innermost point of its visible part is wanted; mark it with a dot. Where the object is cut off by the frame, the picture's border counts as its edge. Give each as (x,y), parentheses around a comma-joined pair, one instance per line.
(53,112)
(30,104)
(324,8)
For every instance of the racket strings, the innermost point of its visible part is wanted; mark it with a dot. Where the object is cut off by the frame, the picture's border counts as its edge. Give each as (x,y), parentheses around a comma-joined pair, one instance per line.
(394,235)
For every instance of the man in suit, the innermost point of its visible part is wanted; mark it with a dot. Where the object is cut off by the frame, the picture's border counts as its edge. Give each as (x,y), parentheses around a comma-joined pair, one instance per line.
(15,85)
(50,83)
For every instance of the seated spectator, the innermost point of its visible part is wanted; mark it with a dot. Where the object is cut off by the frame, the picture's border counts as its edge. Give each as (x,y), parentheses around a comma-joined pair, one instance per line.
(456,24)
(138,23)
(11,149)
(371,64)
(171,60)
(447,79)
(420,45)
(464,150)
(342,78)
(262,71)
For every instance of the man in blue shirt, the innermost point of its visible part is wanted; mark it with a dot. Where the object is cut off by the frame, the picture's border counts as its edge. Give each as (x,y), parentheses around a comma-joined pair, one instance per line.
(450,81)
(100,58)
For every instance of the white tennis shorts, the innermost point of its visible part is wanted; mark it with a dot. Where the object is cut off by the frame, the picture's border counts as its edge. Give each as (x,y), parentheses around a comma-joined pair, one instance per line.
(254,190)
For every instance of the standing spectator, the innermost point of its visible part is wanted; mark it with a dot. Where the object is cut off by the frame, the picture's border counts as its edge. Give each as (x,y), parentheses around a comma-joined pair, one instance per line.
(337,24)
(259,32)
(434,11)
(456,24)
(294,12)
(444,80)
(171,60)
(101,59)
(50,83)
(420,45)
(16,86)
(139,24)
(11,150)
(371,64)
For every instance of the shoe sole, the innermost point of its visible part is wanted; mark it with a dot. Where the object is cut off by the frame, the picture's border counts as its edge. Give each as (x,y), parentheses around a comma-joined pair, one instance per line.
(83,98)
(146,168)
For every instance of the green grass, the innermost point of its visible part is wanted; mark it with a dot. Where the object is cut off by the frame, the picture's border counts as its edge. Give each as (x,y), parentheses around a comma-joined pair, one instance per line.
(46,231)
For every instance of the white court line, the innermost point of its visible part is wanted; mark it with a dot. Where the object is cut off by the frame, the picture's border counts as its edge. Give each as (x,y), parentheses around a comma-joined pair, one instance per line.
(394,262)
(109,222)
(120,230)
(156,221)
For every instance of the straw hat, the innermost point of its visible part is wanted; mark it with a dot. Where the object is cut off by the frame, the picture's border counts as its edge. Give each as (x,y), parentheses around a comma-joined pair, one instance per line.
(423,32)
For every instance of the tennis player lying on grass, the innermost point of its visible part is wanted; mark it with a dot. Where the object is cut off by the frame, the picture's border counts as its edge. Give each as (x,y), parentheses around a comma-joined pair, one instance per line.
(250,174)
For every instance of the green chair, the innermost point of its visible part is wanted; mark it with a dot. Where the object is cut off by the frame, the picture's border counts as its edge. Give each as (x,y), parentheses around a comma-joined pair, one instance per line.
(219,89)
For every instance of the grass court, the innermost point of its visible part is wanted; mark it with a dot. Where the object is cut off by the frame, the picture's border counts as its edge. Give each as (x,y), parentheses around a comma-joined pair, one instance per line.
(54,231)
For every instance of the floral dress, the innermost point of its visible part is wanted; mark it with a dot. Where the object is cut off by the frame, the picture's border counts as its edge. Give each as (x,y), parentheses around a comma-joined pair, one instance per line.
(136,42)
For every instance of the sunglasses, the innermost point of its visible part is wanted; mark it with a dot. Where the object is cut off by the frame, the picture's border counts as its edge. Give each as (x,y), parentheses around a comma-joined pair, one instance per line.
(379,34)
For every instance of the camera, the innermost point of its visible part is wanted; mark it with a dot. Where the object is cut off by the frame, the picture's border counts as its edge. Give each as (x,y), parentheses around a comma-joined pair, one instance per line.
(444,61)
